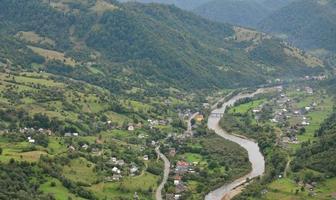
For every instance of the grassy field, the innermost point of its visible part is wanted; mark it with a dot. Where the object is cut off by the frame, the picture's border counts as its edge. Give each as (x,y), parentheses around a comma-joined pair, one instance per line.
(316,116)
(58,191)
(53,55)
(80,170)
(127,187)
(193,157)
(244,108)
(17,151)
(285,189)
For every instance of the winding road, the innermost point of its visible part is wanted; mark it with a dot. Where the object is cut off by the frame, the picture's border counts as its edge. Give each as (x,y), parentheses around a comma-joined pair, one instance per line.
(158,194)
(257,160)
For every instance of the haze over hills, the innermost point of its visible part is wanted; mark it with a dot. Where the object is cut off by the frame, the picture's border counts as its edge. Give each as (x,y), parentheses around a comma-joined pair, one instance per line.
(120,46)
(309,24)
(239,12)
(184,4)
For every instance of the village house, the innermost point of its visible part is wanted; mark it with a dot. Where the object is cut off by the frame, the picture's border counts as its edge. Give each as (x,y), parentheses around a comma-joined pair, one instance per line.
(120,162)
(307,108)
(68,134)
(116,177)
(116,170)
(113,159)
(199,118)
(130,128)
(177,196)
(309,90)
(163,122)
(31,140)
(85,146)
(146,158)
(256,110)
(181,167)
(177,179)
(304,123)
(71,148)
(133,170)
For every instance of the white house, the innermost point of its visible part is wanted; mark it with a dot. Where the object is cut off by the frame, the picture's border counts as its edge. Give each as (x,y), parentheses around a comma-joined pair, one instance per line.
(31,140)
(85,146)
(130,128)
(115,169)
(133,169)
(304,123)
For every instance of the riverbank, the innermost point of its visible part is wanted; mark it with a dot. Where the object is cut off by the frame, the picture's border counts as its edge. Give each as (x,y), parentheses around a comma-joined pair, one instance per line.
(255,157)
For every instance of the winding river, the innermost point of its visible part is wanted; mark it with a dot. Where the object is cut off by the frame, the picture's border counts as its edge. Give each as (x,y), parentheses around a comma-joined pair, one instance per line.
(256,158)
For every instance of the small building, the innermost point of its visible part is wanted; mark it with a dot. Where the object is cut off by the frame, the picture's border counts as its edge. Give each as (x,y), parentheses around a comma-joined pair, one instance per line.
(146,157)
(31,140)
(75,134)
(304,123)
(85,146)
(71,148)
(67,134)
(182,167)
(115,169)
(177,180)
(199,118)
(116,177)
(256,110)
(130,128)
(120,162)
(133,170)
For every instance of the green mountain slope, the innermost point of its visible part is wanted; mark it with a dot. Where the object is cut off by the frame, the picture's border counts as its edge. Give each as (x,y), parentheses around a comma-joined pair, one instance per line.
(184,4)
(309,24)
(241,12)
(124,46)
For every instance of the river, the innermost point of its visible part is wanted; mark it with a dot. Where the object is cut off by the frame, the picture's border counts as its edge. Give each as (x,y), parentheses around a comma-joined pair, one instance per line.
(256,158)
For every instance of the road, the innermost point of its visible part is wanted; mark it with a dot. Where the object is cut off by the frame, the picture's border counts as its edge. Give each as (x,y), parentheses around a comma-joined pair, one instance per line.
(257,160)
(189,129)
(158,195)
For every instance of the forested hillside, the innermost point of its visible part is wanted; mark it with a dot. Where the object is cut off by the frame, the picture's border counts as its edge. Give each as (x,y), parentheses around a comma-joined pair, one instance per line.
(184,4)
(124,46)
(309,24)
(243,12)
(239,12)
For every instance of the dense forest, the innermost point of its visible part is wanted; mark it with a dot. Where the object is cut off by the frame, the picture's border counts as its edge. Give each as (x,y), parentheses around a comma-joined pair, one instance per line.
(156,43)
(311,26)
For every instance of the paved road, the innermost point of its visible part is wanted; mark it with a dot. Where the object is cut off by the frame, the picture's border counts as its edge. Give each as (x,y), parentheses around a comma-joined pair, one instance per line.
(158,195)
(256,158)
(189,129)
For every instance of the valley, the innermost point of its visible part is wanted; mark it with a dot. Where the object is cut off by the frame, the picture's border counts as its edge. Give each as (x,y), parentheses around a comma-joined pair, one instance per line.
(173,100)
